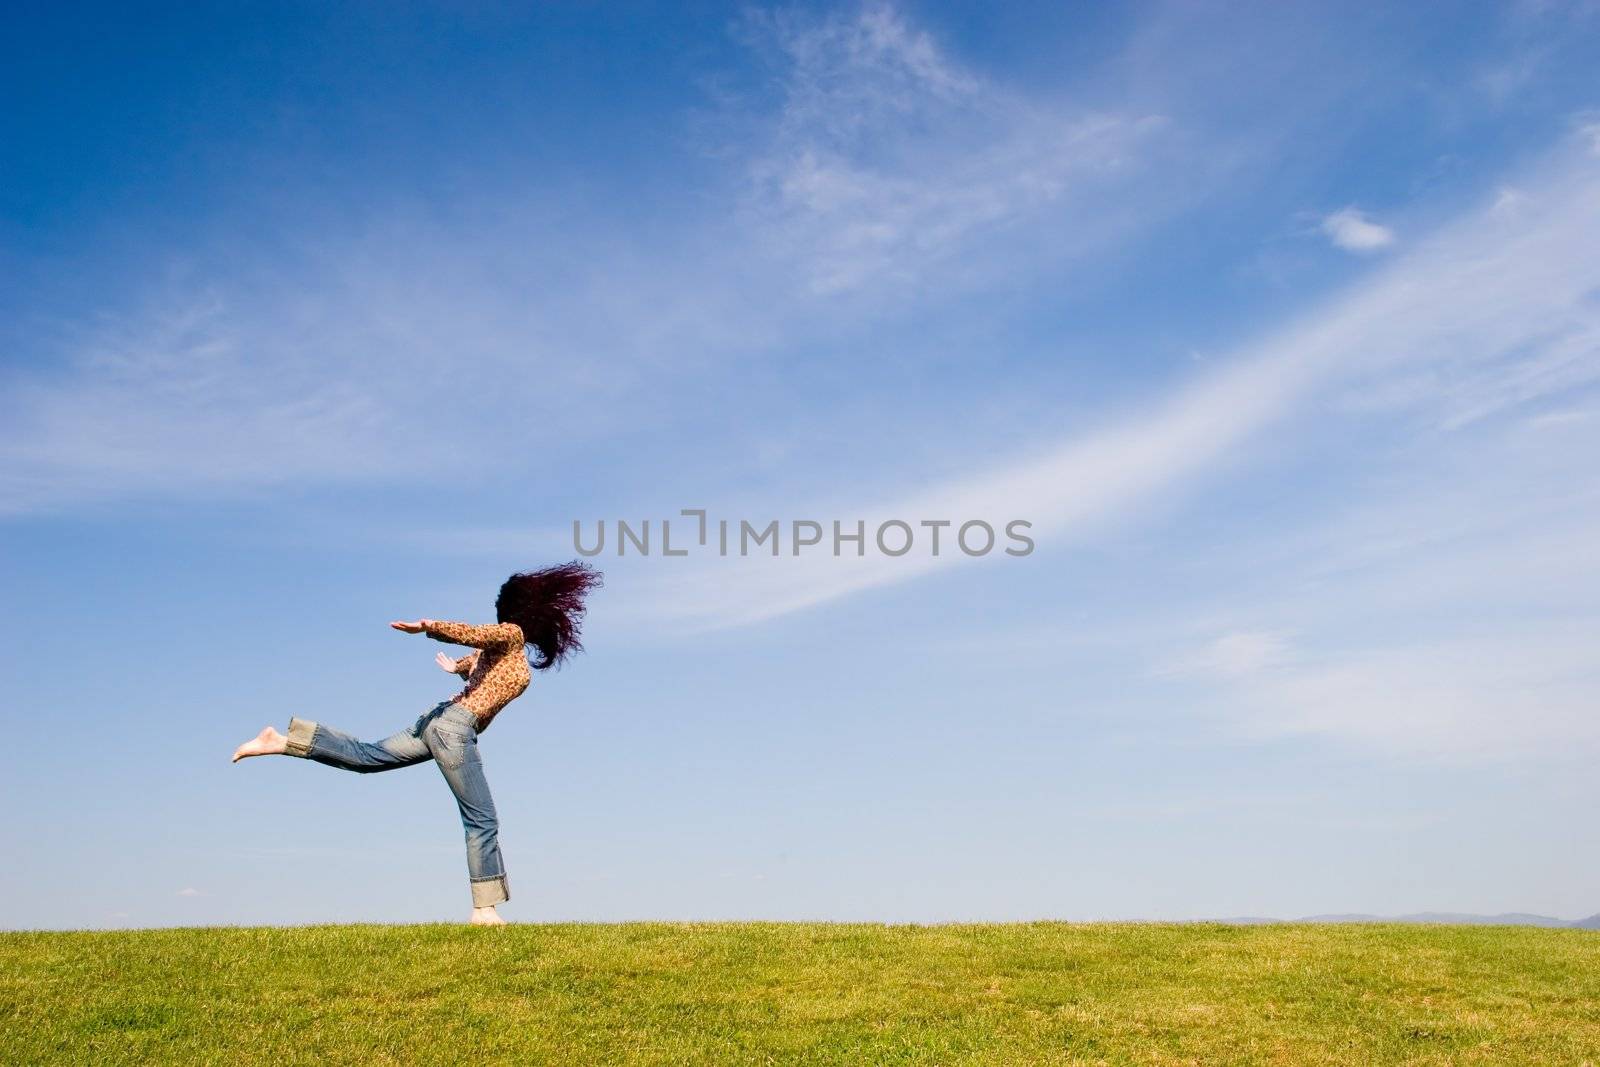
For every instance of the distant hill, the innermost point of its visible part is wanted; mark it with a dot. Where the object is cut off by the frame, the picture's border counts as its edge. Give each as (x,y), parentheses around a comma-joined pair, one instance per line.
(1511,918)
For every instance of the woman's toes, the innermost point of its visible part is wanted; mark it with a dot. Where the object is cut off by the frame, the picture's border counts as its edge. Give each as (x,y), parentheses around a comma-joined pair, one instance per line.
(268,742)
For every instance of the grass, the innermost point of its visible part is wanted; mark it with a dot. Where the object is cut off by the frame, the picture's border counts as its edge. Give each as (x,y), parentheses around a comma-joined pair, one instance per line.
(751,993)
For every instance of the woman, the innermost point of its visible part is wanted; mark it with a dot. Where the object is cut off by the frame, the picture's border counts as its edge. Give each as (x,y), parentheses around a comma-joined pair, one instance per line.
(538,609)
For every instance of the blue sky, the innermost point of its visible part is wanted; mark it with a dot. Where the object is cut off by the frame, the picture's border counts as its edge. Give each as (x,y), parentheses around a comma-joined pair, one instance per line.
(1281,326)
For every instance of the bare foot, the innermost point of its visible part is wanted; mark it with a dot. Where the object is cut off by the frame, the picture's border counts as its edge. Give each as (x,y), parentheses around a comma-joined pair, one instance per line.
(268,742)
(486,917)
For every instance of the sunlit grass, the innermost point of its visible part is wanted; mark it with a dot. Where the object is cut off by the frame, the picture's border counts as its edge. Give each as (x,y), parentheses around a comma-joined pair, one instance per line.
(779,993)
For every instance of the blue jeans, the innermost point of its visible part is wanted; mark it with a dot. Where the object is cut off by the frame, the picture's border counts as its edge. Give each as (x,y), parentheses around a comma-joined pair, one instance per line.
(448,735)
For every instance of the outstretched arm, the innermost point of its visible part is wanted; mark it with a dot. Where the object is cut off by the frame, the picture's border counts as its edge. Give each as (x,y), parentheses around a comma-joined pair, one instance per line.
(492,635)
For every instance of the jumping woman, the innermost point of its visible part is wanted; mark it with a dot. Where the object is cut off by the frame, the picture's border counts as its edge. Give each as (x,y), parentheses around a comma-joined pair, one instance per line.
(537,610)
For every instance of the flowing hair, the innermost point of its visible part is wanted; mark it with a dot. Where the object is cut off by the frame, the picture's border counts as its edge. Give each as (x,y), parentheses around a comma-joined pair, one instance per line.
(548,605)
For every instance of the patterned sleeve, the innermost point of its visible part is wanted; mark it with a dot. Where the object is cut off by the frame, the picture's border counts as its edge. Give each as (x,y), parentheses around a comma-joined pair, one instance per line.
(494,635)
(465,664)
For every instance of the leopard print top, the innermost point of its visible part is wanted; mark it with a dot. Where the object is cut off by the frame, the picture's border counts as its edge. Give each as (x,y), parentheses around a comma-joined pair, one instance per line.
(496,674)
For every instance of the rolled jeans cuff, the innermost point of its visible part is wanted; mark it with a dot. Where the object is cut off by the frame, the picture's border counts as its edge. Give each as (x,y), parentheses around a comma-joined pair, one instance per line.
(301,733)
(487,892)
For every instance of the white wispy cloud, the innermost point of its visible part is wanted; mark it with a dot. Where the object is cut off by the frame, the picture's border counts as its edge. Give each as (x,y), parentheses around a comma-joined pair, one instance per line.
(374,354)
(1350,229)
(178,399)
(1507,199)
(1511,695)
(880,170)
(885,162)
(1510,297)
(1442,612)
(320,359)
(1503,697)
(1233,655)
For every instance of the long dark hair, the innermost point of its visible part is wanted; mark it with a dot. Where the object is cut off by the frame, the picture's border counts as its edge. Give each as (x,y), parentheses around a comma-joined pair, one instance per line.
(548,605)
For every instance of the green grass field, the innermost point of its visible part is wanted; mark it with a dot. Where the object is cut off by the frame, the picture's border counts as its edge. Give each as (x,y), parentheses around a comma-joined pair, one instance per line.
(804,993)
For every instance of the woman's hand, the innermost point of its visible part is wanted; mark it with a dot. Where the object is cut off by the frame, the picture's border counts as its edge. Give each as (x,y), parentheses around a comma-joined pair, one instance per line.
(410,627)
(445,663)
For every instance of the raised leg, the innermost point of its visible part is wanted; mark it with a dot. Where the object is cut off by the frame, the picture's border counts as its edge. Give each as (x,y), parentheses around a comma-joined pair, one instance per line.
(323,743)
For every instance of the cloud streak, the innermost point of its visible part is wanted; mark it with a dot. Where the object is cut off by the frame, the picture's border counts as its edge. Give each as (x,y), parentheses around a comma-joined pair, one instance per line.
(885,163)
(373,354)
(882,171)
(1508,297)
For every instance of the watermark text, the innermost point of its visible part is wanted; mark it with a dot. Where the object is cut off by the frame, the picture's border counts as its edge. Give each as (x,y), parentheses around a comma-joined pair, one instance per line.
(696,533)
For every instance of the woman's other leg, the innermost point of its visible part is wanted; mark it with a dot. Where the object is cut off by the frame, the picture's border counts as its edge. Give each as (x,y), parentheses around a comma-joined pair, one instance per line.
(454,744)
(323,743)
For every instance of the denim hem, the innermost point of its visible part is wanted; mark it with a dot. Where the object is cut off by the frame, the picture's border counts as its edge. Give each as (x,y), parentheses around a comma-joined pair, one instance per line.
(301,733)
(487,892)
